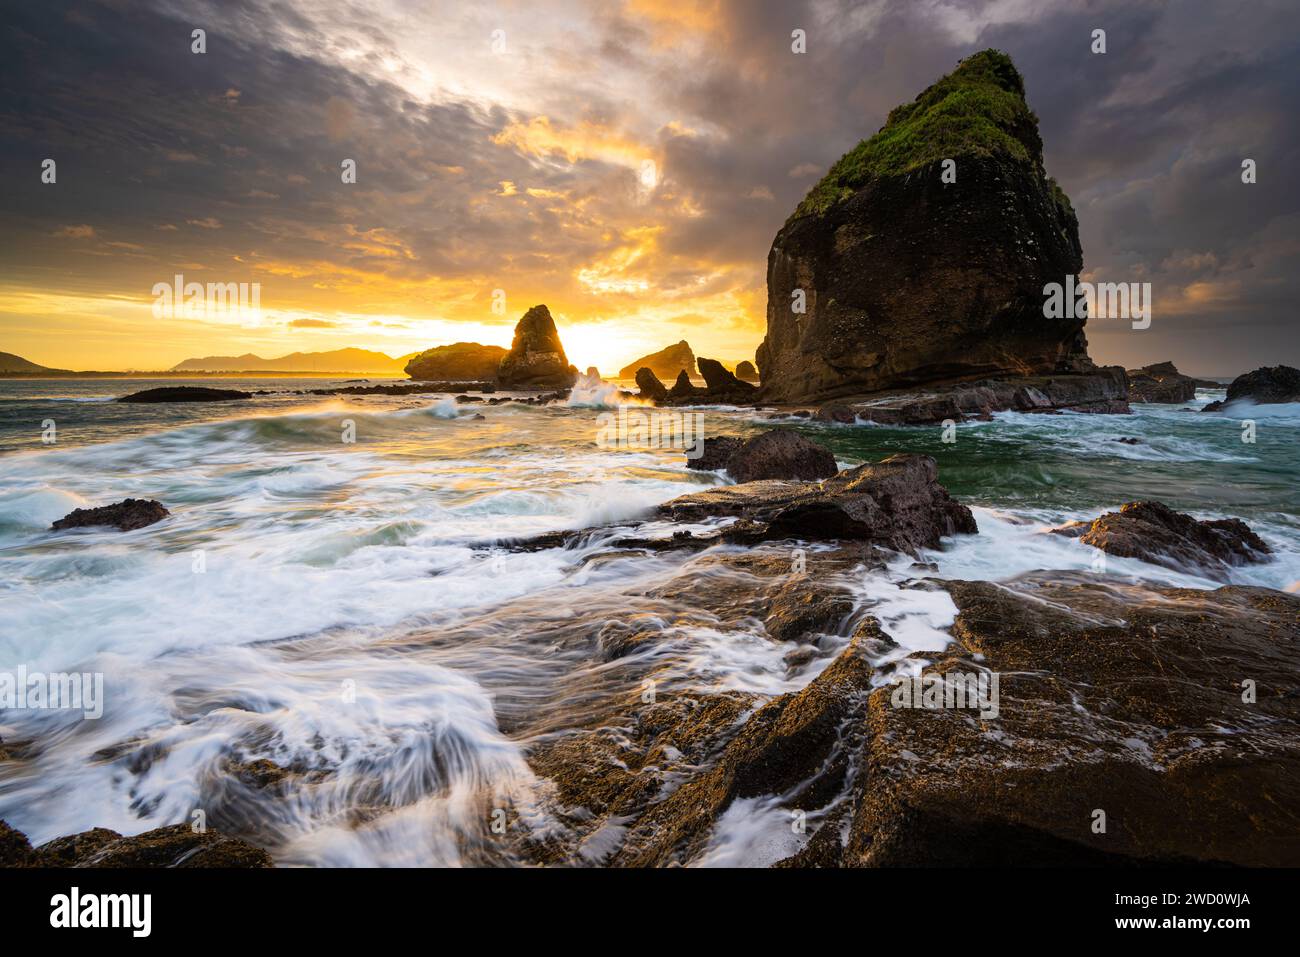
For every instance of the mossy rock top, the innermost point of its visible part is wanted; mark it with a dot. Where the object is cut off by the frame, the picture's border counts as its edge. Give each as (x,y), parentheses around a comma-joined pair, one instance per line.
(978,109)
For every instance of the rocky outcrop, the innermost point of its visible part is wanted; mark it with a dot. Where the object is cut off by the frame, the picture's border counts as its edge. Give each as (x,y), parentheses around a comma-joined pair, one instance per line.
(536,359)
(458,362)
(1162,382)
(650,386)
(1267,385)
(908,280)
(683,389)
(1105,390)
(746,372)
(185,393)
(780,454)
(127,515)
(896,504)
(1155,533)
(666,363)
(721,384)
(174,846)
(1128,703)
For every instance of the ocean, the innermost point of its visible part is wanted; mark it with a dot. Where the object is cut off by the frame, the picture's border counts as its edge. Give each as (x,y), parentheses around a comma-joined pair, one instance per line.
(346,610)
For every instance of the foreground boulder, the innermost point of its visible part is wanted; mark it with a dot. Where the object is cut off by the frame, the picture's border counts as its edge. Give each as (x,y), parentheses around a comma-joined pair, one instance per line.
(666,363)
(186,393)
(780,454)
(1266,385)
(908,280)
(649,385)
(897,504)
(174,846)
(715,454)
(1155,533)
(127,515)
(536,359)
(458,362)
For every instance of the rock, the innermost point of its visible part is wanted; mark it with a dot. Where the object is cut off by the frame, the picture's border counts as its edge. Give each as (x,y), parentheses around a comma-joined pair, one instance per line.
(1125,701)
(1155,533)
(665,364)
(804,608)
(536,359)
(897,504)
(185,393)
(909,280)
(1161,382)
(746,372)
(717,452)
(1103,390)
(836,412)
(128,515)
(15,849)
(1128,440)
(67,851)
(721,384)
(593,373)
(682,388)
(650,386)
(458,362)
(1267,385)
(174,846)
(780,454)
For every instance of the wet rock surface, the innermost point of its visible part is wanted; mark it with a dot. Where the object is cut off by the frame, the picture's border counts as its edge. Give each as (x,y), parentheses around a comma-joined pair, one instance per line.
(780,454)
(1153,532)
(896,504)
(174,846)
(127,515)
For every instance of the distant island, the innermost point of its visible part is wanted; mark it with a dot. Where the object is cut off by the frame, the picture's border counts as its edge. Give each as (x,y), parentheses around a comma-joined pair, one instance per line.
(357,362)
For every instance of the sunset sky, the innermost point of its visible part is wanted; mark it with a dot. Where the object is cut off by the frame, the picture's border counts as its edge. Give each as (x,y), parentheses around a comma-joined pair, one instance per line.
(626,163)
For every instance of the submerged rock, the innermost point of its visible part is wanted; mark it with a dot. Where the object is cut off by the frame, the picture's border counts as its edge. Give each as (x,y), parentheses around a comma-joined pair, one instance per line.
(780,454)
(1155,533)
(665,364)
(174,846)
(909,280)
(536,359)
(128,515)
(185,393)
(458,362)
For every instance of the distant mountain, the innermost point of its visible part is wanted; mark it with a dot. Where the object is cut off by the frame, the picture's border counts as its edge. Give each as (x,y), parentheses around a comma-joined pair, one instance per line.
(340,360)
(12,363)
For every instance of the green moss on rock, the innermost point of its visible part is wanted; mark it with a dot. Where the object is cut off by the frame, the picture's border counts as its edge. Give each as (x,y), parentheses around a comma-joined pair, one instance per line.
(979,109)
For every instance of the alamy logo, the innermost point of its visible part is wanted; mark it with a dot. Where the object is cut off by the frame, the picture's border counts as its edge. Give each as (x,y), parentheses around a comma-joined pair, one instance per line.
(103,910)
(1102,300)
(241,301)
(55,691)
(636,428)
(953,690)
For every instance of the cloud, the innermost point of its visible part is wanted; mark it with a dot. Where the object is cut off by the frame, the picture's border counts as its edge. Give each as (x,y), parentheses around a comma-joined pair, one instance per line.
(312,324)
(207,222)
(75,232)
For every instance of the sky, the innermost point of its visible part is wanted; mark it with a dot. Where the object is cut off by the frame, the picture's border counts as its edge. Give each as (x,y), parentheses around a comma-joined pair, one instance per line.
(626,162)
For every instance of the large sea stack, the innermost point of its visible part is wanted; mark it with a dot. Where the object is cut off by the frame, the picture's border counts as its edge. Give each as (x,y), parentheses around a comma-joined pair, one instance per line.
(536,359)
(910,280)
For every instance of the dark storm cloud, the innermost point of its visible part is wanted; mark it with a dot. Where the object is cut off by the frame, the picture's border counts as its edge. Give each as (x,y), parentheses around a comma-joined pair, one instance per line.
(1147,139)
